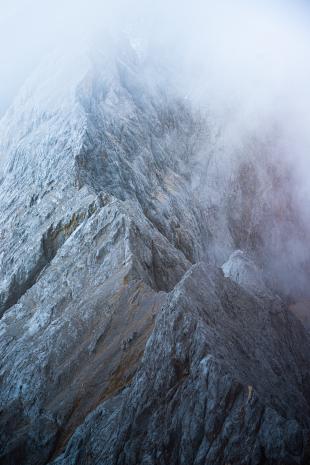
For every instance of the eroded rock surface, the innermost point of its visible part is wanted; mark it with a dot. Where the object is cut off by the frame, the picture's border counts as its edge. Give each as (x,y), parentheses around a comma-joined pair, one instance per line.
(103,220)
(220,382)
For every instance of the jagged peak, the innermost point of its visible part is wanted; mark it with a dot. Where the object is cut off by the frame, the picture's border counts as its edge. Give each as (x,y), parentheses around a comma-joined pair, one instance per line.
(56,101)
(241,269)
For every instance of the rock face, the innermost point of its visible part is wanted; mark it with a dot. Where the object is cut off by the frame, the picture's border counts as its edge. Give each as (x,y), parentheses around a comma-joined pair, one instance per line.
(206,392)
(243,271)
(122,341)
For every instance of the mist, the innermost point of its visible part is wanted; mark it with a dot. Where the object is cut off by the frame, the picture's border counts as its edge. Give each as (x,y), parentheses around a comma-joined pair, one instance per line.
(251,54)
(246,63)
(246,58)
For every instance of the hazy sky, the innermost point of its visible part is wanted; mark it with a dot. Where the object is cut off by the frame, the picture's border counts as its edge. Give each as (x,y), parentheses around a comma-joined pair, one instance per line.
(254,42)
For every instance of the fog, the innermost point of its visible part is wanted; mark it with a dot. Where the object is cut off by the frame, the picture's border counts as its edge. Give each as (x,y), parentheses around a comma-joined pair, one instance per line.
(246,57)
(249,53)
(247,62)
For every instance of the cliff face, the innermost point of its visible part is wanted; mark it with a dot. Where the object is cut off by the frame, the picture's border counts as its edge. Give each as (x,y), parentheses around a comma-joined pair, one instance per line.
(122,340)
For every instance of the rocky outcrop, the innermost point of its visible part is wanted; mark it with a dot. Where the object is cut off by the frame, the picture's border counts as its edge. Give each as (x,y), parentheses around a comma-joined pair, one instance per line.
(224,379)
(77,333)
(243,271)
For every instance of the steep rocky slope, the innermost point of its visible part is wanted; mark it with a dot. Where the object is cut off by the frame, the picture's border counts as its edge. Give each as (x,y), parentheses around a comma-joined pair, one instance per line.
(208,390)
(121,339)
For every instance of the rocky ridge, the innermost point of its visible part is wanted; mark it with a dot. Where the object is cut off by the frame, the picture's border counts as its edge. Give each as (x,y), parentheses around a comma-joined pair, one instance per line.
(122,340)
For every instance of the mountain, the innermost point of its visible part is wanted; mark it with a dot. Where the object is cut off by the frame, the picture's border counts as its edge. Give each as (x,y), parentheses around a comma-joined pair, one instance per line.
(144,317)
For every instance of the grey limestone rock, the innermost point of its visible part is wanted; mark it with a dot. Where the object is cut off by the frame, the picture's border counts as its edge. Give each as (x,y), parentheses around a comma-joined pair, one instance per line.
(220,382)
(121,340)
